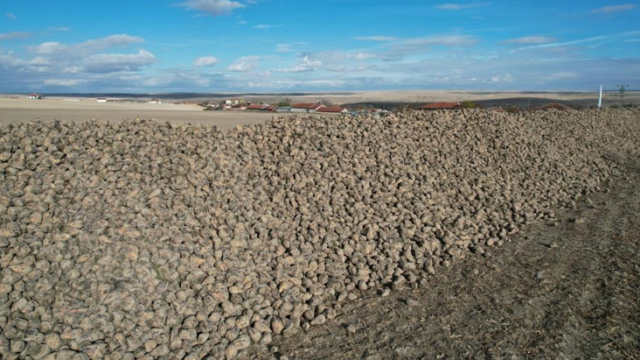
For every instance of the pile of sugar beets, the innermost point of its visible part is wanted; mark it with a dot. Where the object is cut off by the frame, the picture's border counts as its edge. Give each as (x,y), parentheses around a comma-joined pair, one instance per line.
(149,240)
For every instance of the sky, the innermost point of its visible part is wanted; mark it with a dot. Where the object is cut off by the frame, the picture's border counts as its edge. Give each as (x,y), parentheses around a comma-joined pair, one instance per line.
(157,46)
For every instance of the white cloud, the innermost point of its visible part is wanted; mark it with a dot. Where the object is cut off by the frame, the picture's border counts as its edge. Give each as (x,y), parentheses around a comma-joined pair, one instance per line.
(334,61)
(87,47)
(263,27)
(530,40)
(454,7)
(109,63)
(361,56)
(284,48)
(244,64)
(306,65)
(39,61)
(613,9)
(561,75)
(594,39)
(205,61)
(62,82)
(339,57)
(506,78)
(303,84)
(446,40)
(213,7)
(11,16)
(376,38)
(59,28)
(242,22)
(110,41)
(58,64)
(49,48)
(74,69)
(14,35)
(399,49)
(9,62)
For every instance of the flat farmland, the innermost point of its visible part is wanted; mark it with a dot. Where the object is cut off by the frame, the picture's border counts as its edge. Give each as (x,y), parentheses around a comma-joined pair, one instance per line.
(19,110)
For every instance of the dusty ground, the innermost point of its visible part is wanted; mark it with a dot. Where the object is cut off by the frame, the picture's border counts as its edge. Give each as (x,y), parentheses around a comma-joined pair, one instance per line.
(13,110)
(562,289)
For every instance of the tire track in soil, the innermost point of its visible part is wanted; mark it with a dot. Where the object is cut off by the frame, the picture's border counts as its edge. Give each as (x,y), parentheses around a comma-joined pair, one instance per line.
(566,288)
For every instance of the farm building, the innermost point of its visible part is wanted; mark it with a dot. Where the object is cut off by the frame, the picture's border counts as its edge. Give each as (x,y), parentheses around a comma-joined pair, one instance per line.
(283,109)
(102,100)
(305,107)
(34,97)
(441,106)
(333,110)
(263,107)
(155,101)
(555,106)
(233,101)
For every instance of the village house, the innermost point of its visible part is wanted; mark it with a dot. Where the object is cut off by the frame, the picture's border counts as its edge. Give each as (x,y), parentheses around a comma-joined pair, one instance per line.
(260,107)
(155,101)
(333,110)
(34,97)
(102,100)
(233,101)
(306,107)
(209,106)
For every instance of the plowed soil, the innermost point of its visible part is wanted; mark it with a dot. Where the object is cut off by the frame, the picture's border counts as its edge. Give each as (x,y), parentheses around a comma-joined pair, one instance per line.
(568,288)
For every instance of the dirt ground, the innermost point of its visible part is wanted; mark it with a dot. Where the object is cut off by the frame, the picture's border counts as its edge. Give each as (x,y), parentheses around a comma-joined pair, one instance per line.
(13,110)
(567,288)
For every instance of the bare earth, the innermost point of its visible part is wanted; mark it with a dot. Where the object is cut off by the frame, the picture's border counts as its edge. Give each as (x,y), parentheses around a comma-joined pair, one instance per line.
(13,110)
(567,289)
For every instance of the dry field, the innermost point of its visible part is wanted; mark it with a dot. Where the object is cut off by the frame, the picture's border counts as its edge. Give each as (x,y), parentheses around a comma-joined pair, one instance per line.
(15,110)
(461,234)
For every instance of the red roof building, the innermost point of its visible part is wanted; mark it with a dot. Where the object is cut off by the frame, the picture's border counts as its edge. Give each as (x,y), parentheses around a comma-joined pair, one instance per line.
(441,106)
(307,106)
(258,107)
(333,109)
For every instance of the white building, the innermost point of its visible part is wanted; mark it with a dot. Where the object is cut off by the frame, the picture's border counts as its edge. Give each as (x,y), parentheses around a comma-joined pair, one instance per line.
(34,97)
(155,101)
(102,99)
(232,101)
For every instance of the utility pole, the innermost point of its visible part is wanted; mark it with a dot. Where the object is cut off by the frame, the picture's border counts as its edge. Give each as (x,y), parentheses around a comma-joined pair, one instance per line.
(600,98)
(622,92)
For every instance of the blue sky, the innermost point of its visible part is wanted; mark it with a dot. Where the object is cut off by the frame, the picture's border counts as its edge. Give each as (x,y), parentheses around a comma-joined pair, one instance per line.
(330,45)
